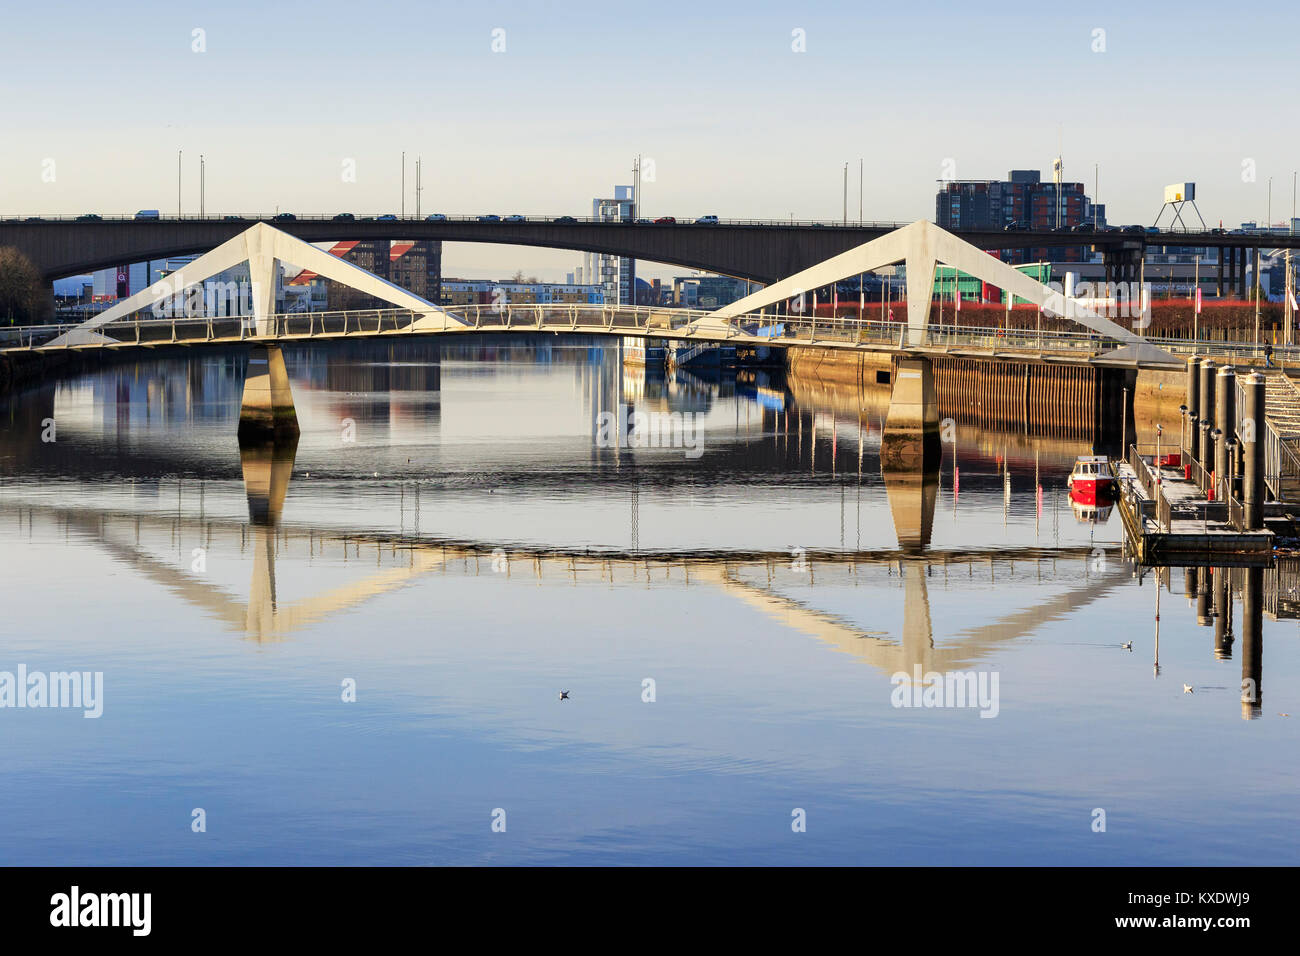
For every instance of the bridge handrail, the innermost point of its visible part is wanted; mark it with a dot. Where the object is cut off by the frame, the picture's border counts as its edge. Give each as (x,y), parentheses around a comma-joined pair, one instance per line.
(659,321)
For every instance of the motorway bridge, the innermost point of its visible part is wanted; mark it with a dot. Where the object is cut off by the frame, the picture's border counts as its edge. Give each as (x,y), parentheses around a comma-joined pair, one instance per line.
(762,251)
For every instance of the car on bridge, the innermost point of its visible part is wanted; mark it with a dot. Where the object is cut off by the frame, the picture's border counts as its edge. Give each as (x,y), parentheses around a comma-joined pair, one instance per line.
(233,219)
(147,214)
(89,217)
(516,218)
(665,221)
(284,217)
(345,217)
(387,217)
(435,217)
(489,218)
(707,221)
(564,219)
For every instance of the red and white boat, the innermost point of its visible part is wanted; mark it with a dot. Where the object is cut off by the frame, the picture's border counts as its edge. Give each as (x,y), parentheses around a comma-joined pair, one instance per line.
(1092,480)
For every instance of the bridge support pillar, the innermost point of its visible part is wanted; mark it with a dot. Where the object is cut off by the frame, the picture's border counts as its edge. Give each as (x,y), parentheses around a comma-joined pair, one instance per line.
(267,413)
(910,441)
(267,469)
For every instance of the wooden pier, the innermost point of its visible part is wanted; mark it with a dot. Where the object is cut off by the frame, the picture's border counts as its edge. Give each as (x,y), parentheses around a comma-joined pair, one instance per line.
(1169,520)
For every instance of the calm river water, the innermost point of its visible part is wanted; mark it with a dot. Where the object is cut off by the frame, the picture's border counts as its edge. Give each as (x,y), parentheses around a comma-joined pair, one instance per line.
(354,651)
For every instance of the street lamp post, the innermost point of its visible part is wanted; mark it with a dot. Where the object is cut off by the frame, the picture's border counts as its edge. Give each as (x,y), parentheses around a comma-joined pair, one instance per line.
(1216,436)
(1159,432)
(1196,300)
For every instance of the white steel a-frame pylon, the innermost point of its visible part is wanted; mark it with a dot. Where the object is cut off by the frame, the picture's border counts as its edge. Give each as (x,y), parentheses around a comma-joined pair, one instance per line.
(262,247)
(921,246)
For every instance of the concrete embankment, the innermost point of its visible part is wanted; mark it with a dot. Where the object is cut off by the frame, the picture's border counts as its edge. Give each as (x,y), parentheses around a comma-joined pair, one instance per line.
(840,366)
(1004,394)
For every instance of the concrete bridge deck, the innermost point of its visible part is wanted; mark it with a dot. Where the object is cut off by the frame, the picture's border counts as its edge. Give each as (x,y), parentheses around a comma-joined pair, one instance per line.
(760,250)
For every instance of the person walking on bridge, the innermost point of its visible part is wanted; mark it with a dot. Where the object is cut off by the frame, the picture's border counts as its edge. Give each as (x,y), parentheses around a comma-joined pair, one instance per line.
(1268,355)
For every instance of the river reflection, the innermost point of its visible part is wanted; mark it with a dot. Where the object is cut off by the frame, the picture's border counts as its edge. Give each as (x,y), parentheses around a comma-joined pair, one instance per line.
(450,534)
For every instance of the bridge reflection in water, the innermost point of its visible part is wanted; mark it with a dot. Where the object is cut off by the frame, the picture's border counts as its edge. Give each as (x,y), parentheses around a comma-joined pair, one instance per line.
(757,579)
(762,580)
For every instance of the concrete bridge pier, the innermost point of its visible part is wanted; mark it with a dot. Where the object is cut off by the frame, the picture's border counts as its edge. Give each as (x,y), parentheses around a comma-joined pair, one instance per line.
(910,441)
(912,497)
(267,413)
(267,469)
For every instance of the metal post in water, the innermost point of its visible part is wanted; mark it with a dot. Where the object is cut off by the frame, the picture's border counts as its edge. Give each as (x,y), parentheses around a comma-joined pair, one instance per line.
(1203,597)
(1224,392)
(1252,442)
(1222,614)
(1193,403)
(1252,644)
(1206,415)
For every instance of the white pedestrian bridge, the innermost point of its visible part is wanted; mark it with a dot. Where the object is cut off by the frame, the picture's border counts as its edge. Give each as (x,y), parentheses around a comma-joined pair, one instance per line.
(776,316)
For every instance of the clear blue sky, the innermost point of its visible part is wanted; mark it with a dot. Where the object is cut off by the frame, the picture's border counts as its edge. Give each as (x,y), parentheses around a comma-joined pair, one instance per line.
(735,121)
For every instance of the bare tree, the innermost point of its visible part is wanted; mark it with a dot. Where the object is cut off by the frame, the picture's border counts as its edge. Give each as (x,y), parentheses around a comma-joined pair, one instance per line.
(22,293)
